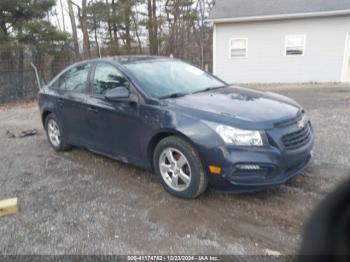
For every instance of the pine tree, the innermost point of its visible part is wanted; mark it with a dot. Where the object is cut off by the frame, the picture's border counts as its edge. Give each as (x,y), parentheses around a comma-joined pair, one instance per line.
(23,27)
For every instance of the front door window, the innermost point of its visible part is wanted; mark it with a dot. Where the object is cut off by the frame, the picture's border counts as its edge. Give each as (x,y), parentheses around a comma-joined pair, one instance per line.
(107,77)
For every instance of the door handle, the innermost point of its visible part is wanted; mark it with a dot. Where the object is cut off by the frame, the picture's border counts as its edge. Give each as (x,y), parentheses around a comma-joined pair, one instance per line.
(60,101)
(93,109)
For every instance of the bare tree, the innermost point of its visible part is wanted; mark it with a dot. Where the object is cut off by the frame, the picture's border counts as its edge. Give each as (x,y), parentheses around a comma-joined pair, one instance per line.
(114,24)
(137,32)
(84,29)
(82,15)
(63,18)
(95,26)
(152,26)
(74,28)
(126,16)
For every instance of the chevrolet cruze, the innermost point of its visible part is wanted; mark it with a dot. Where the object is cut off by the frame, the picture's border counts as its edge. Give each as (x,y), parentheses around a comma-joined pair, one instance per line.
(191,128)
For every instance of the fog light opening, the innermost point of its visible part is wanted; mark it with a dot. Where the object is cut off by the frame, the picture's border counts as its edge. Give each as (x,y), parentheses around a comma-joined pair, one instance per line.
(248,167)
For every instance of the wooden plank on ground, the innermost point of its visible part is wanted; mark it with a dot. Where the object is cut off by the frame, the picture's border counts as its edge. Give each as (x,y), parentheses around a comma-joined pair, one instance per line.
(8,207)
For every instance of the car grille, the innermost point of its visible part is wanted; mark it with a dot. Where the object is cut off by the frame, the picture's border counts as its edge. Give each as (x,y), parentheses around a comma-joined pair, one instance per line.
(297,139)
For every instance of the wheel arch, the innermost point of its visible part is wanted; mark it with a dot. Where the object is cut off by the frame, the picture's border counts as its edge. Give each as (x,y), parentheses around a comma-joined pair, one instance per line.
(44,115)
(160,136)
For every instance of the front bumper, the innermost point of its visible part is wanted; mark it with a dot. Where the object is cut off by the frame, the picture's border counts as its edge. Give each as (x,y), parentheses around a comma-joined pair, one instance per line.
(276,165)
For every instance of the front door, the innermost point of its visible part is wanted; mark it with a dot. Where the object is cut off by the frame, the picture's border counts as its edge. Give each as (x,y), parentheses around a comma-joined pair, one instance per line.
(114,126)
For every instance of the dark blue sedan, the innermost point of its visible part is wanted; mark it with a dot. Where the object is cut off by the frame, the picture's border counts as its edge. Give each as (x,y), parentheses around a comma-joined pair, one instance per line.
(191,128)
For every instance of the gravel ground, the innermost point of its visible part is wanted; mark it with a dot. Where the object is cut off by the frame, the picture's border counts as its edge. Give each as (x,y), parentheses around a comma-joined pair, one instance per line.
(80,203)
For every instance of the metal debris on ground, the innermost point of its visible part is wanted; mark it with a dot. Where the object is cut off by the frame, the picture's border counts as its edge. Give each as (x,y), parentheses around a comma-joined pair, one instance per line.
(26,133)
(22,134)
(9,134)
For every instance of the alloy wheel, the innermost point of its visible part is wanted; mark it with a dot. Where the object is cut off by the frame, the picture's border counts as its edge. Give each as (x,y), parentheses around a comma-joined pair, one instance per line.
(175,169)
(54,133)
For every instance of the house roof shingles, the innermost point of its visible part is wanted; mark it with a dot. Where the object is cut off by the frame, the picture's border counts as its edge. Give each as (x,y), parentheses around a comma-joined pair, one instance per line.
(244,9)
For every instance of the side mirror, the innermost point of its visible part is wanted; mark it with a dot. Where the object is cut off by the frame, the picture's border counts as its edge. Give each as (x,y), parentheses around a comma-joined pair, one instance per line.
(118,93)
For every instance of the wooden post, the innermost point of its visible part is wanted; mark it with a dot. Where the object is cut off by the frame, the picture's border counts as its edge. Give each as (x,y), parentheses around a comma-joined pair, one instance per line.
(8,207)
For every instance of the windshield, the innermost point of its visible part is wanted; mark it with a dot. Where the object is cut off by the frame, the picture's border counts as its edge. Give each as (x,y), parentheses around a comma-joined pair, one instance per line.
(172,78)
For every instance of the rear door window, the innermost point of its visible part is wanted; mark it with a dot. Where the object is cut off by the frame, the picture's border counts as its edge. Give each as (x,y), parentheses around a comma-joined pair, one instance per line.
(74,79)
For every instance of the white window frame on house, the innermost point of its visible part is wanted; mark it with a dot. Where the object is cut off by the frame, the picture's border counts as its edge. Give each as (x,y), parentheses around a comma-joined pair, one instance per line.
(230,47)
(286,47)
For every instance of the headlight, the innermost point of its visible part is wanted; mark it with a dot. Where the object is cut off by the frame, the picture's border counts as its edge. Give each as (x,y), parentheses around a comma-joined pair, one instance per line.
(239,137)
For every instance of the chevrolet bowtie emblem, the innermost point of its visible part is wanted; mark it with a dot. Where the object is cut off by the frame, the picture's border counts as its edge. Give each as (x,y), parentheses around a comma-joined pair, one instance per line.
(301,124)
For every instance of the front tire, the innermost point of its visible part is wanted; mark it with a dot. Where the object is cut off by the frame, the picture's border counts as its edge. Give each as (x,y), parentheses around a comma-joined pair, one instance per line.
(179,168)
(55,133)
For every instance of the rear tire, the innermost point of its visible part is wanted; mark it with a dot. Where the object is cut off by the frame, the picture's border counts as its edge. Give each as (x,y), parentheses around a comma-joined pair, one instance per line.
(55,133)
(179,168)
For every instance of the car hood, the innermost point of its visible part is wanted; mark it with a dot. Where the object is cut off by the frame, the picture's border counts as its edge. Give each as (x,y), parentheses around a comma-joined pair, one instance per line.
(239,106)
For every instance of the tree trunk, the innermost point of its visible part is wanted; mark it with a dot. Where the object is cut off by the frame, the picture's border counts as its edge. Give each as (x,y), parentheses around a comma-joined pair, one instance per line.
(109,26)
(20,76)
(152,27)
(95,33)
(84,29)
(63,19)
(155,27)
(127,25)
(114,25)
(74,29)
(137,33)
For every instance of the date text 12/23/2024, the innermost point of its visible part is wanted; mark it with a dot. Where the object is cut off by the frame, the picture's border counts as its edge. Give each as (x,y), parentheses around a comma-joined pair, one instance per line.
(173,258)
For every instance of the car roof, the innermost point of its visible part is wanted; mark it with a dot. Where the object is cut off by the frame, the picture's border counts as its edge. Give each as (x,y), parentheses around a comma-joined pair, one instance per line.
(128,59)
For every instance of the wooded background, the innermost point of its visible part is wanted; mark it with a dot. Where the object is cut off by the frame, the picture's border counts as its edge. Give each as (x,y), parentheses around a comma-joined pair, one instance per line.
(56,33)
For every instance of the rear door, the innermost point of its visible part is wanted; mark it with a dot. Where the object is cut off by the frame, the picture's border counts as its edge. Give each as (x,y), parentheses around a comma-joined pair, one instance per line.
(71,102)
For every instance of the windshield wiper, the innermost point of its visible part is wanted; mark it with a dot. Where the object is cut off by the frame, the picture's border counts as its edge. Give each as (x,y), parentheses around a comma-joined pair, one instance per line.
(174,95)
(208,89)
(181,94)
